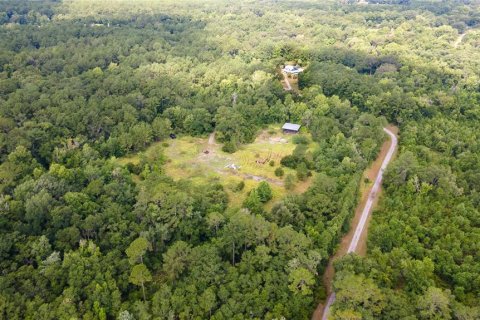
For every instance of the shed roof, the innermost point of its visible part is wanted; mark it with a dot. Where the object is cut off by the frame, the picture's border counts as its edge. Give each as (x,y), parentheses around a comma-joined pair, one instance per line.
(292,69)
(291,126)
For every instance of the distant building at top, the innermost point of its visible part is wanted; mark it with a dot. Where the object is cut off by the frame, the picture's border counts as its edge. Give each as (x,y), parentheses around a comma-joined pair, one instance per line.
(292,69)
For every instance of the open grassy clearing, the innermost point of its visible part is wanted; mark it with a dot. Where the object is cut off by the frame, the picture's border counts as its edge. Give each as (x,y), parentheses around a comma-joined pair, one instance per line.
(201,160)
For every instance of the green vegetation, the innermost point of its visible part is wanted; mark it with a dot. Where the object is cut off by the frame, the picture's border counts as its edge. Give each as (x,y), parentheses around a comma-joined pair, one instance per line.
(279,172)
(103,215)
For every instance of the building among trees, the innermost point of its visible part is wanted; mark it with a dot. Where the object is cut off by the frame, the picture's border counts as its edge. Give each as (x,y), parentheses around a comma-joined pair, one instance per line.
(293,70)
(291,128)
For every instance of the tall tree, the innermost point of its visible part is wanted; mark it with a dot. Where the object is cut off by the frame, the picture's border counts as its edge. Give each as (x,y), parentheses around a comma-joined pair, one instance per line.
(139,275)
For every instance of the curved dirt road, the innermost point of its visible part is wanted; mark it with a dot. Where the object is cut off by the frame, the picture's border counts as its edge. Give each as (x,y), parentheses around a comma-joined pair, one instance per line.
(372,197)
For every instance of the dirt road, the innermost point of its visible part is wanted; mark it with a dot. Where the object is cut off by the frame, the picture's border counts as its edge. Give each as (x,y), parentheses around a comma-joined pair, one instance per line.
(355,240)
(373,192)
(286,82)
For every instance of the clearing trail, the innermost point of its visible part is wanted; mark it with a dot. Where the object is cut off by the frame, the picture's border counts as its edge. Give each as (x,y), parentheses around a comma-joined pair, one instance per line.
(286,83)
(355,240)
(211,139)
(459,39)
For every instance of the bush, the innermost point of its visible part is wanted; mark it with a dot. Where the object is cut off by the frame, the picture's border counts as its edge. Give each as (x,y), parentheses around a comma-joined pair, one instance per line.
(264,191)
(299,139)
(253,203)
(289,181)
(290,161)
(302,172)
(229,147)
(271,163)
(134,168)
(279,172)
(300,151)
(240,186)
(310,164)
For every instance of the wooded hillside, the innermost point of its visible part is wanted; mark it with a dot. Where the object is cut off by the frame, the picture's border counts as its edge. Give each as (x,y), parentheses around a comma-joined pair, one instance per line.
(82,83)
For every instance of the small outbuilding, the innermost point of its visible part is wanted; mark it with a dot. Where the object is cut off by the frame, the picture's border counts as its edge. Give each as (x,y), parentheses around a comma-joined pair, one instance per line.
(291,128)
(295,70)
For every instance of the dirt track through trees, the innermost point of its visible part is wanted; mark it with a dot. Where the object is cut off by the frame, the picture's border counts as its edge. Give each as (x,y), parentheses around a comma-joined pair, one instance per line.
(355,239)
(459,39)
(286,82)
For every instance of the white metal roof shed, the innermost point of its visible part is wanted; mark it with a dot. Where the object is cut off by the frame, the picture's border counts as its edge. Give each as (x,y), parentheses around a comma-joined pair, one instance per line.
(291,127)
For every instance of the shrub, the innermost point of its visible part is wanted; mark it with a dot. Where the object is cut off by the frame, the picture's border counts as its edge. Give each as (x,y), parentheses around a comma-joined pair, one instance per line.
(289,181)
(271,163)
(264,191)
(240,186)
(279,172)
(290,161)
(229,147)
(302,172)
(299,139)
(134,168)
(253,203)
(300,151)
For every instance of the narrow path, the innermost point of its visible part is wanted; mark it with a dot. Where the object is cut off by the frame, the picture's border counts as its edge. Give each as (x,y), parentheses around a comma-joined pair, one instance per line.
(460,39)
(211,139)
(355,239)
(286,82)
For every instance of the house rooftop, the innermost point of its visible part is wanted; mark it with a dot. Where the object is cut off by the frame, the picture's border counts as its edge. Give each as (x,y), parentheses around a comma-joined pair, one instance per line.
(292,69)
(291,127)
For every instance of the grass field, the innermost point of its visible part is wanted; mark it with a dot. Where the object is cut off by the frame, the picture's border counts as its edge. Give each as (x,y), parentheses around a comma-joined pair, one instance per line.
(201,160)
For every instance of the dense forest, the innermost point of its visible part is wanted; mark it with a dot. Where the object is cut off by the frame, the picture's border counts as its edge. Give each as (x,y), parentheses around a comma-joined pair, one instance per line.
(84,82)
